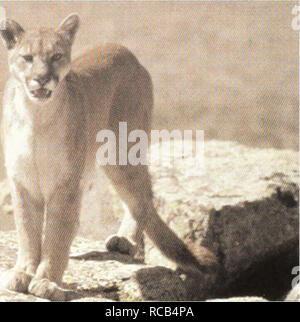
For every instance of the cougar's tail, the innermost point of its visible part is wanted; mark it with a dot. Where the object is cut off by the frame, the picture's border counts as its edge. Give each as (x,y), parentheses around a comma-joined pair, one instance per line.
(175,249)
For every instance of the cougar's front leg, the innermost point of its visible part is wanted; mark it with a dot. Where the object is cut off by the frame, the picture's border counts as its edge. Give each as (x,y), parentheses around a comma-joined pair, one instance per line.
(62,220)
(28,212)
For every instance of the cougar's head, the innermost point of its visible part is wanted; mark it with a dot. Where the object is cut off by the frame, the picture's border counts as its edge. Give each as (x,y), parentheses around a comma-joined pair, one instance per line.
(40,59)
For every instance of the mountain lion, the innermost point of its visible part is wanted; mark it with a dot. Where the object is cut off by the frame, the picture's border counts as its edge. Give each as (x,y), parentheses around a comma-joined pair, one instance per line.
(52,112)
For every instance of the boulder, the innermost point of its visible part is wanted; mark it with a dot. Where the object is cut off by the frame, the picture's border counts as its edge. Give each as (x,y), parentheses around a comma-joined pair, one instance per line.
(294,294)
(242,205)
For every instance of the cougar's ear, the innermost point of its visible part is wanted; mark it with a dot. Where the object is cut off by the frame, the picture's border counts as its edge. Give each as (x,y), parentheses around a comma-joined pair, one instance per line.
(69,26)
(11,32)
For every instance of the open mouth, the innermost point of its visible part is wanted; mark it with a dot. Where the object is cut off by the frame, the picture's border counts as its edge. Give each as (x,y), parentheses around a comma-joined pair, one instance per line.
(41,93)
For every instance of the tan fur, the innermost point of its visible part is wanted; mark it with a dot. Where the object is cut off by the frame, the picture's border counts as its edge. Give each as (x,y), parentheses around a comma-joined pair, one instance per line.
(48,143)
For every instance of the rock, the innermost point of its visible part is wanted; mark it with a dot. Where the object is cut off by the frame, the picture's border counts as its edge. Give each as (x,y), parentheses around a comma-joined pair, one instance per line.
(243,207)
(240,299)
(294,294)
(96,275)
(7,296)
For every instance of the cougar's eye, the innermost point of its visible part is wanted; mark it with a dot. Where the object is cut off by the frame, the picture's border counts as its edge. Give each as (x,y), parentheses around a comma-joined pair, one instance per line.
(28,58)
(56,57)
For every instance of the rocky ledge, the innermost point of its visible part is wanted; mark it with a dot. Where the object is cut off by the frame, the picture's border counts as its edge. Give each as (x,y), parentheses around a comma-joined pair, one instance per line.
(243,208)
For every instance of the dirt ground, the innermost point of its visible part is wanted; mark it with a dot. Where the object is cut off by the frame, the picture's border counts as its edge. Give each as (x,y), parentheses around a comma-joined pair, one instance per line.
(230,69)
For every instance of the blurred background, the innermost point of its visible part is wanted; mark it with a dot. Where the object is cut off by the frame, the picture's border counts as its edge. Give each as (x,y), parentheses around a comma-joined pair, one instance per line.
(229,68)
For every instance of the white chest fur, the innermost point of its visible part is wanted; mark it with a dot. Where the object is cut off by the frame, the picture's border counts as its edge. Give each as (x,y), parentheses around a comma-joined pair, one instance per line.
(35,145)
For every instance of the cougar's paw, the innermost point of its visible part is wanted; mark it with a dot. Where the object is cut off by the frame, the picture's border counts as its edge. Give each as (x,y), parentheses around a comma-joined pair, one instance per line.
(121,245)
(15,280)
(46,289)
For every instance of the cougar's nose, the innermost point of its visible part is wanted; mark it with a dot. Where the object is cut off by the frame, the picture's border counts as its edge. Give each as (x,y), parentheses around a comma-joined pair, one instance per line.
(43,79)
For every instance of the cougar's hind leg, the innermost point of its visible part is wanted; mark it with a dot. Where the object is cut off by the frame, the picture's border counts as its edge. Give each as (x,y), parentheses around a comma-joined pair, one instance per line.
(134,187)
(128,184)
(133,104)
